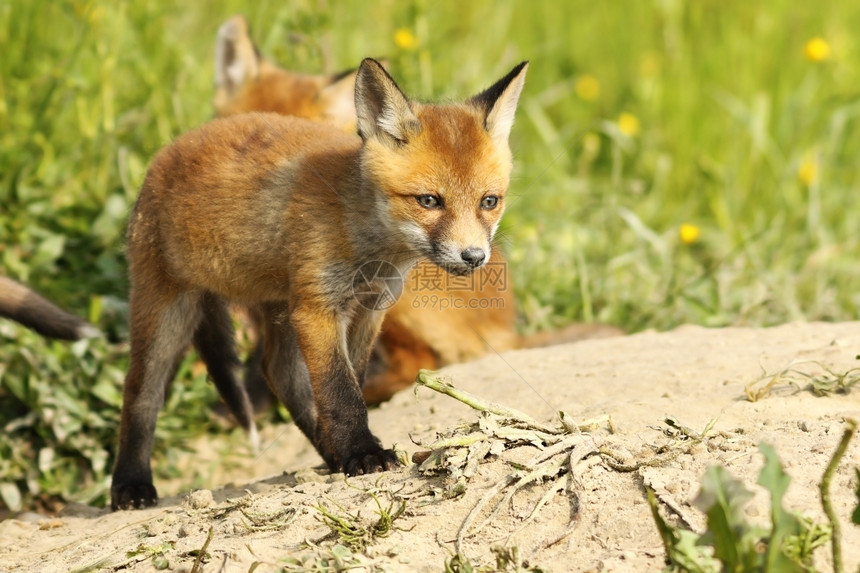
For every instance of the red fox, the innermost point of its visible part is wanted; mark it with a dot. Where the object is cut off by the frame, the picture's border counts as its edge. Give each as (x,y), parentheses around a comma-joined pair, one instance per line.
(415,334)
(306,226)
(23,305)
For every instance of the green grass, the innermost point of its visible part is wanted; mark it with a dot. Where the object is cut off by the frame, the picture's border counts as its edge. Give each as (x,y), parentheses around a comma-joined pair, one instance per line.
(732,543)
(728,107)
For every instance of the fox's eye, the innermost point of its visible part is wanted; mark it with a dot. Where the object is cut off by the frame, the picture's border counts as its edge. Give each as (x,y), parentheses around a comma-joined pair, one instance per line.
(429,201)
(489,202)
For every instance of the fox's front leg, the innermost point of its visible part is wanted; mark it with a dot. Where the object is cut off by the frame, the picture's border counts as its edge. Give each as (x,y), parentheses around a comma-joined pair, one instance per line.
(284,368)
(341,411)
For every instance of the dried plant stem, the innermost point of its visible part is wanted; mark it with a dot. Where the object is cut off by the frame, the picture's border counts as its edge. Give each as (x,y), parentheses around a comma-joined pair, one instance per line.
(202,551)
(456,441)
(491,493)
(430,380)
(550,493)
(549,470)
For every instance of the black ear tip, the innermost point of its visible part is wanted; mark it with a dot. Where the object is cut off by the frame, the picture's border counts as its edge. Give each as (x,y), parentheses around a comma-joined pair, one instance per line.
(373,72)
(370,68)
(370,63)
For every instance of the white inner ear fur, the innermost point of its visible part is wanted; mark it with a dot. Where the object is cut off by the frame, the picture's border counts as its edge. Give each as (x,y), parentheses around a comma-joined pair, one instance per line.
(380,105)
(395,117)
(233,73)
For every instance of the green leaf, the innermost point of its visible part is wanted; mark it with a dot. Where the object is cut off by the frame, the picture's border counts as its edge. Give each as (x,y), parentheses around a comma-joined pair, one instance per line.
(784,524)
(11,495)
(109,224)
(722,498)
(107,392)
(17,386)
(46,459)
(160,562)
(48,251)
(682,545)
(667,534)
(96,304)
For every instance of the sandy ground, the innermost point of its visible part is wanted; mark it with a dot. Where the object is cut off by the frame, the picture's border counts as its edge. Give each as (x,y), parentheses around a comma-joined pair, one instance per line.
(595,518)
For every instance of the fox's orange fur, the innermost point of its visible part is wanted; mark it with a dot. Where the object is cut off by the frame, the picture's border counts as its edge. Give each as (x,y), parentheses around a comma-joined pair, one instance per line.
(415,333)
(244,81)
(288,217)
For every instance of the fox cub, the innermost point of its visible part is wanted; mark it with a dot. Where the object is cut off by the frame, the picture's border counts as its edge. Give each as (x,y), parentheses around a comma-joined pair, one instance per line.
(283,215)
(414,334)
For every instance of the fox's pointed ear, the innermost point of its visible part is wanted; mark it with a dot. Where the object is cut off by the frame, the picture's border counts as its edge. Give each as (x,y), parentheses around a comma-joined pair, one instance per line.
(237,60)
(383,110)
(499,103)
(337,99)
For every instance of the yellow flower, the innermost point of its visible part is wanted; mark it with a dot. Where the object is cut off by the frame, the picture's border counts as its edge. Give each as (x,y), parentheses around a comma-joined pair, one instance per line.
(96,15)
(649,65)
(808,170)
(689,233)
(591,144)
(628,124)
(405,39)
(86,9)
(817,50)
(587,87)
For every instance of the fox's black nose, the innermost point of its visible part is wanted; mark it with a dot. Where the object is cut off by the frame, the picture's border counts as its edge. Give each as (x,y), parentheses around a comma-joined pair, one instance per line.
(473,256)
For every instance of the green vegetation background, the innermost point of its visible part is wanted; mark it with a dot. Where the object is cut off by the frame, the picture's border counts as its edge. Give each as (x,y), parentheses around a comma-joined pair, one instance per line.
(639,116)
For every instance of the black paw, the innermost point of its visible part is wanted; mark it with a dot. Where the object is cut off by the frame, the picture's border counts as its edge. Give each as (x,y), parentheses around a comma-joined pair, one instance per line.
(133,496)
(378,461)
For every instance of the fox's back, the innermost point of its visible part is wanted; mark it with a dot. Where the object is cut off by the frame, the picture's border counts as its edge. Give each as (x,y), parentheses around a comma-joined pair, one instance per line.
(228,155)
(277,91)
(216,204)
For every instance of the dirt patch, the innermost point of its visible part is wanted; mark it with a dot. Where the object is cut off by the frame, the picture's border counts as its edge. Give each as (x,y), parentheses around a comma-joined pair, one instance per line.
(595,517)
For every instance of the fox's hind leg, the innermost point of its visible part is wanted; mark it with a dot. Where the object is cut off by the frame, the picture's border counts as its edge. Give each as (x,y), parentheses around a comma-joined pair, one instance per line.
(363,330)
(215,342)
(255,382)
(162,324)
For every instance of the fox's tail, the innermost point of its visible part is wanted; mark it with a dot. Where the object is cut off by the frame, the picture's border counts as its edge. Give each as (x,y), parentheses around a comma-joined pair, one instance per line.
(571,333)
(23,305)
